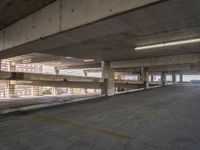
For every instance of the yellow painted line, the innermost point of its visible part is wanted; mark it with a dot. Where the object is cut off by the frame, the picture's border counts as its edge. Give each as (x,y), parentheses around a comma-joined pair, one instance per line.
(82,126)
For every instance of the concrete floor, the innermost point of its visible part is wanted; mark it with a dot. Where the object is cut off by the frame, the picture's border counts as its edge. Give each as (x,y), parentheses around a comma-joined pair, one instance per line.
(164,119)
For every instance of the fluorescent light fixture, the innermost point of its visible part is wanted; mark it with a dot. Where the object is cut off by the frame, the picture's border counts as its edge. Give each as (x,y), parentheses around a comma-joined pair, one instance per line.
(69,57)
(88,60)
(167,44)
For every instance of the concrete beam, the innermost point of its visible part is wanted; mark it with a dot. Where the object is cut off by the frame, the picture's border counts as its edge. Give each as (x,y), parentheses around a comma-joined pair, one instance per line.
(69,84)
(83,66)
(92,70)
(129,82)
(158,61)
(44,77)
(54,19)
(176,68)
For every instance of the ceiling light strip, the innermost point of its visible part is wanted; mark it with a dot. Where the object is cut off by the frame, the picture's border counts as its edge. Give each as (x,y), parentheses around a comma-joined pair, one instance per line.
(168,44)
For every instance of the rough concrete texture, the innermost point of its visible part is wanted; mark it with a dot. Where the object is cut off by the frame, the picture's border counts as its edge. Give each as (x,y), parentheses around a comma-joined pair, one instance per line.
(164,119)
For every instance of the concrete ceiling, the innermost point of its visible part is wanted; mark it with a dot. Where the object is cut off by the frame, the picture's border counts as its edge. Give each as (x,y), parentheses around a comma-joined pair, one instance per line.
(14,10)
(51,60)
(114,38)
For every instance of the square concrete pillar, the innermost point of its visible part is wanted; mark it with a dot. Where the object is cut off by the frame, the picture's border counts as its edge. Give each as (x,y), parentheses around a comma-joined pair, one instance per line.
(146,79)
(174,78)
(163,78)
(85,75)
(181,78)
(9,90)
(56,71)
(35,90)
(12,67)
(142,74)
(151,77)
(54,91)
(69,90)
(109,82)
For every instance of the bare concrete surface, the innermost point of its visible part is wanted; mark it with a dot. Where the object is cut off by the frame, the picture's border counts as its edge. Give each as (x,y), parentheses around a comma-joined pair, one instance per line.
(163,118)
(30,101)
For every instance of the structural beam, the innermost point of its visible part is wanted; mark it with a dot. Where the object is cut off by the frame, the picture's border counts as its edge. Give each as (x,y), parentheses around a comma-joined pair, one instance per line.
(48,21)
(69,84)
(83,66)
(158,61)
(44,77)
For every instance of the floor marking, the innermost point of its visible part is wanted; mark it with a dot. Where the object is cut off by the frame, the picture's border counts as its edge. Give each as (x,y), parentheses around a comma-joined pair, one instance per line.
(82,126)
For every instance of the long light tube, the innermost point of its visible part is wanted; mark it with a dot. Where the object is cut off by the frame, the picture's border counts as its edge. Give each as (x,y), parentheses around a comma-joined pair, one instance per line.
(160,45)
(88,60)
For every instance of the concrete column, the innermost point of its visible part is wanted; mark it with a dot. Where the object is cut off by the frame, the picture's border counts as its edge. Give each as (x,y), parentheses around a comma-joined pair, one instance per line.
(9,90)
(55,89)
(85,74)
(163,78)
(151,77)
(70,90)
(56,71)
(181,78)
(174,78)
(12,67)
(35,91)
(109,82)
(142,74)
(146,79)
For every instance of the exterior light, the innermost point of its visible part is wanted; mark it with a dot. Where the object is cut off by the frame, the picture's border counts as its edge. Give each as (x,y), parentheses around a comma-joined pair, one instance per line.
(167,44)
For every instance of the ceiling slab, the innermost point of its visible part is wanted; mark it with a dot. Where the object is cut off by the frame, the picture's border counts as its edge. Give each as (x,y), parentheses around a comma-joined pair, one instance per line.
(14,10)
(114,38)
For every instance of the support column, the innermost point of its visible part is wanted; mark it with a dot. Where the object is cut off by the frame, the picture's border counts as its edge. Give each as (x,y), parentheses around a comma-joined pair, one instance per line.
(12,67)
(70,90)
(109,82)
(56,71)
(146,79)
(55,89)
(174,78)
(35,90)
(181,78)
(163,78)
(85,74)
(151,77)
(9,90)
(142,75)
